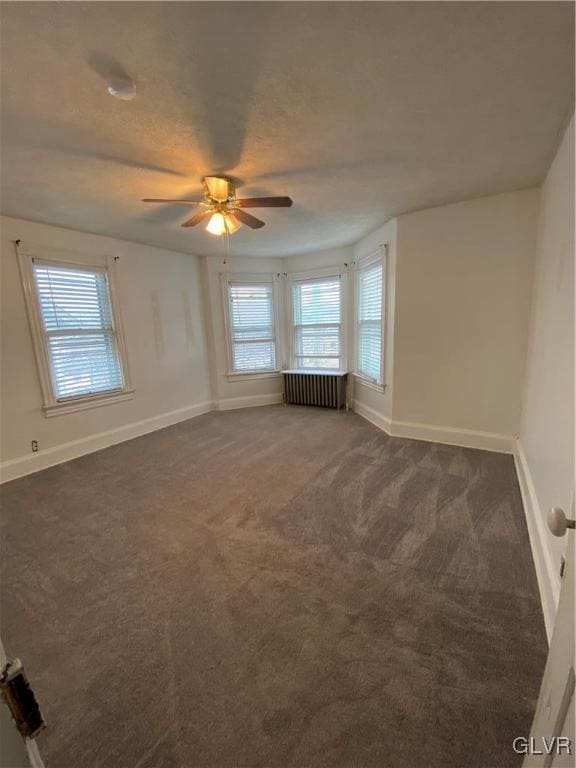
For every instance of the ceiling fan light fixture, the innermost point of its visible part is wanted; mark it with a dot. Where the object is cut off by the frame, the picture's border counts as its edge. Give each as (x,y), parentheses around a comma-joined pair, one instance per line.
(220,223)
(216,225)
(232,224)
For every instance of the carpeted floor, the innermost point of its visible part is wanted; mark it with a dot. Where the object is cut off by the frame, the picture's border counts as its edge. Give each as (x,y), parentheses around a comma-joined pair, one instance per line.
(275,587)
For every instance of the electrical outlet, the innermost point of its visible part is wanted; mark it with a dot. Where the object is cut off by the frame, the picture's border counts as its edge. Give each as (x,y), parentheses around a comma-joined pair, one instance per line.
(34,446)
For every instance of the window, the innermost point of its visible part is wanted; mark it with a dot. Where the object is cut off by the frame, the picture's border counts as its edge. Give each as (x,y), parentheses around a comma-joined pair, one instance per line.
(369,321)
(251,326)
(76,335)
(317,341)
(77,319)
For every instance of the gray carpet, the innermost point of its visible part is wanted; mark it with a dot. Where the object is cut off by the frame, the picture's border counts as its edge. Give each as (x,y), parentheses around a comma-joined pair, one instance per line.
(270,587)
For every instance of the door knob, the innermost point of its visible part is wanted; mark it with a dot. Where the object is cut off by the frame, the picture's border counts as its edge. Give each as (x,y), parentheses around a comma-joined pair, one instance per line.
(558,522)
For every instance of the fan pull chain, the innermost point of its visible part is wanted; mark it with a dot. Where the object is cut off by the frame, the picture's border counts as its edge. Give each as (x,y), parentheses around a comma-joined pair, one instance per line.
(227,257)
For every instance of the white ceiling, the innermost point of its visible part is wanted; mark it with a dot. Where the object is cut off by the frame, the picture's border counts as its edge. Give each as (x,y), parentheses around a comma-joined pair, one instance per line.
(358,111)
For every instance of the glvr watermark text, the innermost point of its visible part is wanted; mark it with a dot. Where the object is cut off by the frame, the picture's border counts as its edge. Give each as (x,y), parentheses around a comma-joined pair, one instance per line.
(554,745)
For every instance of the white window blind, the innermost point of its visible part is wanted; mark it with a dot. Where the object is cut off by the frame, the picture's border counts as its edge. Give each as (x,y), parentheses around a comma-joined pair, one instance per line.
(369,341)
(317,322)
(252,327)
(79,329)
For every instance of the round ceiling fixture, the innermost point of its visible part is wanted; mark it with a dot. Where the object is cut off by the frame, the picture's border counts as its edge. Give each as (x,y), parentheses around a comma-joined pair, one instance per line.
(122,88)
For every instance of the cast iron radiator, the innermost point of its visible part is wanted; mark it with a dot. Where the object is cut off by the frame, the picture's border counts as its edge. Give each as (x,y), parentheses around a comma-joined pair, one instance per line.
(323,388)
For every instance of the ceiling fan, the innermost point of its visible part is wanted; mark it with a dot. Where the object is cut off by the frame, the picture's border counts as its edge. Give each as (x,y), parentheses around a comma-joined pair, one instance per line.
(224,210)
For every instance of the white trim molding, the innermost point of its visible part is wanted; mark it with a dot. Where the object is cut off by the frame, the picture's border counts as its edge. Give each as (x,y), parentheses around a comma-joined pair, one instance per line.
(26,465)
(82,403)
(250,401)
(466,438)
(371,415)
(249,376)
(548,579)
(368,383)
(34,753)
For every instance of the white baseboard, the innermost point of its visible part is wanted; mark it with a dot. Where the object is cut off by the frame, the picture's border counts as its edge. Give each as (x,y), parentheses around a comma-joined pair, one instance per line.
(373,416)
(466,438)
(25,465)
(231,403)
(34,754)
(548,578)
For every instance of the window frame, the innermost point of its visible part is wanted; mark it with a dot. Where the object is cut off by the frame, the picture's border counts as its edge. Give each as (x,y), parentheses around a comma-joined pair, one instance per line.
(51,405)
(313,276)
(227,279)
(365,262)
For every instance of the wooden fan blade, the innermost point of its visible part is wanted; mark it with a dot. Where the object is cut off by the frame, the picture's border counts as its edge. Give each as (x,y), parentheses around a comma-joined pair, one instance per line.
(248,219)
(161,200)
(264,202)
(196,219)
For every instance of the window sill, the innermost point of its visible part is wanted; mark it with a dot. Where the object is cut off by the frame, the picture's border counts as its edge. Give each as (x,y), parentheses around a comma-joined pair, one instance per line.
(369,383)
(83,403)
(318,371)
(253,375)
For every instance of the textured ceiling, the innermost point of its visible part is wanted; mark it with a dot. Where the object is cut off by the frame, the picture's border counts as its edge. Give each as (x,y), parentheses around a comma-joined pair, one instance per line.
(358,111)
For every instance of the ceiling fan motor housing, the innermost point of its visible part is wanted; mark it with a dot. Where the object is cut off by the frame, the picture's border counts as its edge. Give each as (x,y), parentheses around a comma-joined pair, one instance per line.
(219,188)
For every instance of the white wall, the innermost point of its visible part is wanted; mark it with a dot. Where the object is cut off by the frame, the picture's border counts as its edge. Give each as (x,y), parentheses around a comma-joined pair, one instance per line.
(457,310)
(463,287)
(167,363)
(230,392)
(318,259)
(546,444)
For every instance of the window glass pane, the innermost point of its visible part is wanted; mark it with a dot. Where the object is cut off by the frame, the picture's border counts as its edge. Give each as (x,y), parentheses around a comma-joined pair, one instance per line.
(85,364)
(254,356)
(252,327)
(73,298)
(370,345)
(371,293)
(77,318)
(318,340)
(318,362)
(370,321)
(317,317)
(317,301)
